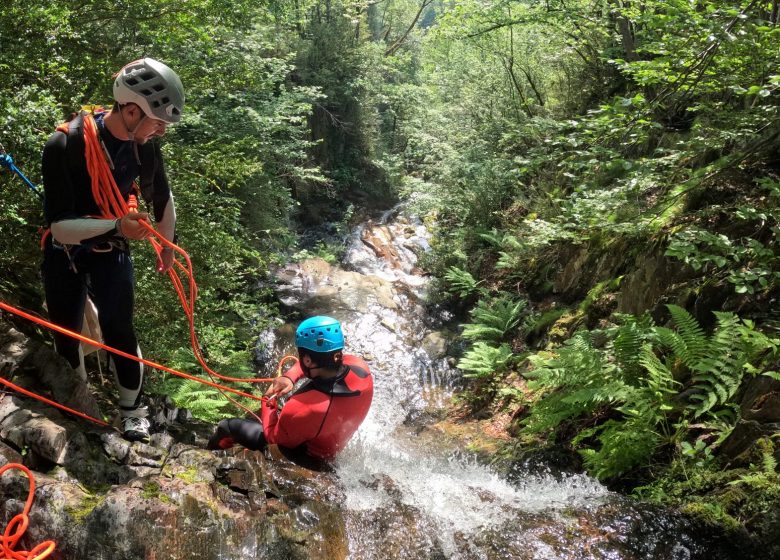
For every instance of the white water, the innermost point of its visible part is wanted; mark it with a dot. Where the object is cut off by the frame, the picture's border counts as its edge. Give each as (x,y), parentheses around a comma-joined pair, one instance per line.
(384,465)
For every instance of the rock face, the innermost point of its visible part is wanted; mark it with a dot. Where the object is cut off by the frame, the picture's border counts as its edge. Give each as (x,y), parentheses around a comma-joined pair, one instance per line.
(99,496)
(760,418)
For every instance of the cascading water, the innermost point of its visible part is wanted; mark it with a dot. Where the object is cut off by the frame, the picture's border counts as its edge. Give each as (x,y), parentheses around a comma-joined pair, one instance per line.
(409,496)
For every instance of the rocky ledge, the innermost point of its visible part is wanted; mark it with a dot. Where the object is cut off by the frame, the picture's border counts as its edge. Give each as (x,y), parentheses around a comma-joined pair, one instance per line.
(99,496)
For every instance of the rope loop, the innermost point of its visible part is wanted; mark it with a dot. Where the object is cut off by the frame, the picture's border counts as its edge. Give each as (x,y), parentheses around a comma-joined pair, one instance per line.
(16,528)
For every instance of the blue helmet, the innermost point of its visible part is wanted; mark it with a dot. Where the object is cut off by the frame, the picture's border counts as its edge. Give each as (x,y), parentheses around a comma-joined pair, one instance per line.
(320,334)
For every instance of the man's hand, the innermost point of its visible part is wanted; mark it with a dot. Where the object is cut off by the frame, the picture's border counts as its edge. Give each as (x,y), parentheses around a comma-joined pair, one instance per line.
(165,262)
(280,386)
(129,225)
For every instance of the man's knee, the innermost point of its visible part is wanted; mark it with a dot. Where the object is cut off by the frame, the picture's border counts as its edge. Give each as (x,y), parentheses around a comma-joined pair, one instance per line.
(236,430)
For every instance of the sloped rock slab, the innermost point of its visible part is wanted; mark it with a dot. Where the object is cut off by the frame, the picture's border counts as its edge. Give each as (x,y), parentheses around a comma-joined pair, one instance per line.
(99,496)
(186,503)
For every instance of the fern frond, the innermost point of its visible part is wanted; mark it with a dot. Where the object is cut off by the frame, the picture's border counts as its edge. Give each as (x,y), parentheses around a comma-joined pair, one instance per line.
(483,360)
(461,282)
(691,341)
(494,318)
(204,402)
(628,345)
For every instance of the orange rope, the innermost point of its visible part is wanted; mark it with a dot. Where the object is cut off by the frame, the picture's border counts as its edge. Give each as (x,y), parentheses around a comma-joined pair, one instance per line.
(49,325)
(113,206)
(18,525)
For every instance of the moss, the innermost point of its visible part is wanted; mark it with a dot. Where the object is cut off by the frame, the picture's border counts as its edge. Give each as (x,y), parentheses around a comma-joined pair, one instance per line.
(546,319)
(563,327)
(150,490)
(88,503)
(711,514)
(597,291)
(190,476)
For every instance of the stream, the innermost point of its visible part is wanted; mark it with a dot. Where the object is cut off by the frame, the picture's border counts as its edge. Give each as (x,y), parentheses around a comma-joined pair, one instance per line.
(409,492)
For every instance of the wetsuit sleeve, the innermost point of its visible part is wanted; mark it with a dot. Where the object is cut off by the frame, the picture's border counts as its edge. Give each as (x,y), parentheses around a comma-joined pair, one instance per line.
(78,230)
(295,373)
(295,425)
(57,186)
(59,202)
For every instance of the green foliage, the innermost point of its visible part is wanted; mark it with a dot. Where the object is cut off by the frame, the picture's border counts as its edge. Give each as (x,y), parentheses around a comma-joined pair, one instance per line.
(204,402)
(494,318)
(717,362)
(747,263)
(484,361)
(461,282)
(634,382)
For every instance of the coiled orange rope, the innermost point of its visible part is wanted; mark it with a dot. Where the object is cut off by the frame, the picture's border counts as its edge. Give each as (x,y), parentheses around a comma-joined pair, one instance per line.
(18,525)
(113,206)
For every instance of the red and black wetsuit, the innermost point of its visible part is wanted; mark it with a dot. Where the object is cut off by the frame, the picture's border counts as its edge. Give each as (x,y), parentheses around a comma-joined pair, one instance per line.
(323,413)
(318,419)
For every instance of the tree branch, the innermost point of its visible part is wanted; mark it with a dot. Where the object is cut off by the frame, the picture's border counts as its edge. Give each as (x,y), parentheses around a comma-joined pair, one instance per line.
(395,46)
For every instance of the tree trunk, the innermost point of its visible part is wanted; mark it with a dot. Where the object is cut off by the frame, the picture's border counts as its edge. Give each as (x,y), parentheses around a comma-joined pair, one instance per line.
(533,86)
(397,44)
(508,66)
(627,37)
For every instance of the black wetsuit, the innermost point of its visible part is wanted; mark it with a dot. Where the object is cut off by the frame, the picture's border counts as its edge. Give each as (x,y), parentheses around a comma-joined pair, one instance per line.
(99,265)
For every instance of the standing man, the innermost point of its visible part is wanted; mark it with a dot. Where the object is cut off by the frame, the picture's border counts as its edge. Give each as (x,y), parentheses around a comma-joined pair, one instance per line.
(85,255)
(322,415)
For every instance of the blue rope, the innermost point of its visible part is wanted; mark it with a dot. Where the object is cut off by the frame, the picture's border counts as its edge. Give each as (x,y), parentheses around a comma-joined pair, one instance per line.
(8,162)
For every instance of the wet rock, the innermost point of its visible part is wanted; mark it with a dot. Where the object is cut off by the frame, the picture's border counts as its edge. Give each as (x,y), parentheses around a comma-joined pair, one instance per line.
(25,429)
(652,279)
(761,400)
(103,497)
(396,530)
(435,345)
(737,448)
(313,285)
(38,367)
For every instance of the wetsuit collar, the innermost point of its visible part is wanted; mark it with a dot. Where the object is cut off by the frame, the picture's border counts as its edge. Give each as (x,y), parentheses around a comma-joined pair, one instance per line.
(333,385)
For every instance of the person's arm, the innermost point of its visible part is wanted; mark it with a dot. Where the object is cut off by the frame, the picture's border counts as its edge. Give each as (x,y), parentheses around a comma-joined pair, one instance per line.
(297,423)
(76,231)
(284,383)
(60,209)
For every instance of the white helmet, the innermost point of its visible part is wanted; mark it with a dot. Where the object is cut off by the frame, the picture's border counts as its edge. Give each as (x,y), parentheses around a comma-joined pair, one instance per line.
(153,86)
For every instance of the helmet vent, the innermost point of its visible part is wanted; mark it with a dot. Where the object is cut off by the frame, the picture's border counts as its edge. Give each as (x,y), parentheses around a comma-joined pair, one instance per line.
(131,81)
(155,104)
(147,76)
(165,100)
(146,92)
(158,87)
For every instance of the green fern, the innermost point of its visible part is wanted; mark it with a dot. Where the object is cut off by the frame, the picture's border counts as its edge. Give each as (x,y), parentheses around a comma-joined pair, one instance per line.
(717,362)
(578,379)
(629,339)
(485,361)
(461,282)
(494,318)
(689,342)
(204,402)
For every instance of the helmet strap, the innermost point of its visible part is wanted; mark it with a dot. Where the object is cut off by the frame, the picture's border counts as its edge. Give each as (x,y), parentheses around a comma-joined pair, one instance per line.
(131,133)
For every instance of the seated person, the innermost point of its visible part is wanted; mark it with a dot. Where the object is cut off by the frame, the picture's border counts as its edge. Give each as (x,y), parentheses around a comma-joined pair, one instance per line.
(320,417)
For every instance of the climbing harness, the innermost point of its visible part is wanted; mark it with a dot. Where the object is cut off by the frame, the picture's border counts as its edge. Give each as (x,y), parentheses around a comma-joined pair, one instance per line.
(16,528)
(112,205)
